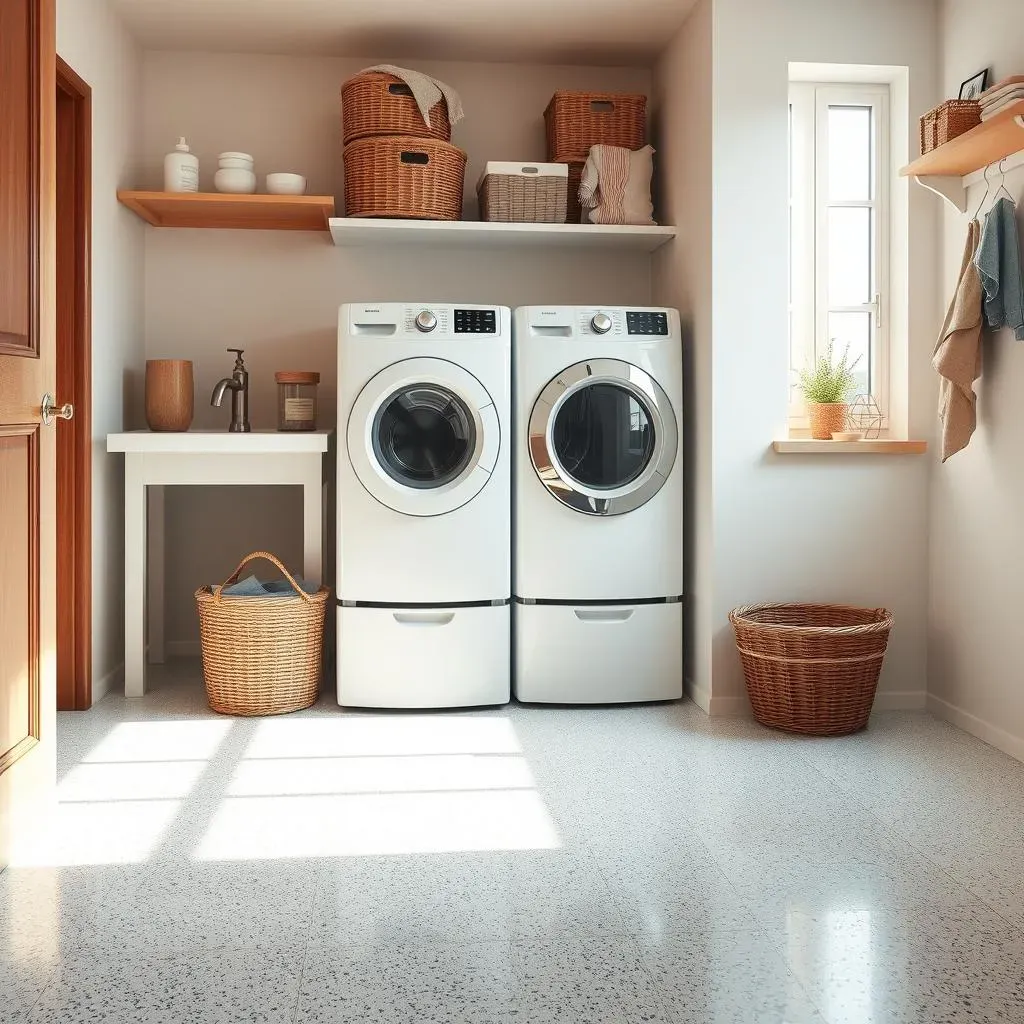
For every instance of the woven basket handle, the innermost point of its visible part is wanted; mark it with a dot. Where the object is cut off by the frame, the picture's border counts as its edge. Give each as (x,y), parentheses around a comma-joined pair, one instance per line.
(233,578)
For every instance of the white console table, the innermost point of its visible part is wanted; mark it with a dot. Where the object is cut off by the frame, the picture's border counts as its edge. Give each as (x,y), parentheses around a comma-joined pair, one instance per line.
(153,460)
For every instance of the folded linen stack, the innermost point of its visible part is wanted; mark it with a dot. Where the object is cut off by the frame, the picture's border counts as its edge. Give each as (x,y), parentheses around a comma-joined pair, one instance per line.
(1001,96)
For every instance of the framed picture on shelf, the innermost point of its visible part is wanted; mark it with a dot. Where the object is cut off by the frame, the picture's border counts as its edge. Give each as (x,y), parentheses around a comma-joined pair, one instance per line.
(974,87)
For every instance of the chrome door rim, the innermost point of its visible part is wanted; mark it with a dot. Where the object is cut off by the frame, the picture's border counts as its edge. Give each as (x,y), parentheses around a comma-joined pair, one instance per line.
(553,475)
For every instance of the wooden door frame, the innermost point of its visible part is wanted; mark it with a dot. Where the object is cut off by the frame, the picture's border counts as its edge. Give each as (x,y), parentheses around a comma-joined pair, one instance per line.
(74,384)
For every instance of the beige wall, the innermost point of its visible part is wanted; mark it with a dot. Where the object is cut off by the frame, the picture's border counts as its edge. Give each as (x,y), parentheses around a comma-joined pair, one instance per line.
(92,40)
(682,278)
(977,507)
(277,294)
(789,527)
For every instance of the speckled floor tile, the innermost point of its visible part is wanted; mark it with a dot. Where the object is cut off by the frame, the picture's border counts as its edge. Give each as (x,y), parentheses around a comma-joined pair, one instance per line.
(586,981)
(727,978)
(463,897)
(405,984)
(515,866)
(862,967)
(200,986)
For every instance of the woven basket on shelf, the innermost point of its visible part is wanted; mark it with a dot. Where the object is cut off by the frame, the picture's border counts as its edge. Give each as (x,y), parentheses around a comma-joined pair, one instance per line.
(399,176)
(376,103)
(261,655)
(523,193)
(811,668)
(947,121)
(575,121)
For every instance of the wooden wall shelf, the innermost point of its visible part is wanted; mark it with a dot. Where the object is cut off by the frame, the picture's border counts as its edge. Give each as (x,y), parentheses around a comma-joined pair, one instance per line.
(214,210)
(880,446)
(943,169)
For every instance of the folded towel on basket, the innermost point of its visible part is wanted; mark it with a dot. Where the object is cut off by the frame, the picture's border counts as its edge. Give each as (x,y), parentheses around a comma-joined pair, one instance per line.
(616,186)
(252,587)
(426,91)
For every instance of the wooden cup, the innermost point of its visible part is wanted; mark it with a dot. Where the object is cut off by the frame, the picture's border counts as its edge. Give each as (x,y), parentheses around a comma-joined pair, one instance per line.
(170,394)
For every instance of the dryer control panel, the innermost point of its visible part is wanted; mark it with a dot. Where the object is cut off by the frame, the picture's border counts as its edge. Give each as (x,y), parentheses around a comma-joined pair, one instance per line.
(646,322)
(434,321)
(622,323)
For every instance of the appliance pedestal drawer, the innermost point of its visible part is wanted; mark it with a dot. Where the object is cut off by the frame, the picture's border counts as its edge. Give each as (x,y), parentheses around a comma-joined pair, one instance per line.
(598,654)
(423,657)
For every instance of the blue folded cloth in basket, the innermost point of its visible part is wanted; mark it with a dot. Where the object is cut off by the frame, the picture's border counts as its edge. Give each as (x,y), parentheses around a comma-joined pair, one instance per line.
(252,587)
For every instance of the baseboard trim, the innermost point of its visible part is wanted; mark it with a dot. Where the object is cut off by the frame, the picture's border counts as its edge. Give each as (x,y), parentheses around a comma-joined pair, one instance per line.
(729,707)
(104,684)
(901,700)
(991,734)
(183,648)
(697,694)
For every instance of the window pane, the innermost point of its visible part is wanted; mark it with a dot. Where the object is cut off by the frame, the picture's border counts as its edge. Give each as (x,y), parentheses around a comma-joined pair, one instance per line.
(853,329)
(849,255)
(849,153)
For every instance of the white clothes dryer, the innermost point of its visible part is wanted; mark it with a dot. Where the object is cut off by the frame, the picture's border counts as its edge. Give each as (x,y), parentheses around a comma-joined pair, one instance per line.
(424,505)
(598,523)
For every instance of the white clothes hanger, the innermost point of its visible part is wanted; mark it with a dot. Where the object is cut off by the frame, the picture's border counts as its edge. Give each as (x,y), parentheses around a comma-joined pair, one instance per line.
(1002,183)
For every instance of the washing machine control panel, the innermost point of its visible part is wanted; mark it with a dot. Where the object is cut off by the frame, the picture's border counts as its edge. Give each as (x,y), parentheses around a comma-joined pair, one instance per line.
(640,322)
(476,321)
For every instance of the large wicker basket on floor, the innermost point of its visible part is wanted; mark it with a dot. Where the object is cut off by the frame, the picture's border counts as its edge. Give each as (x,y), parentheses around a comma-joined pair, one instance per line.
(811,668)
(399,176)
(261,655)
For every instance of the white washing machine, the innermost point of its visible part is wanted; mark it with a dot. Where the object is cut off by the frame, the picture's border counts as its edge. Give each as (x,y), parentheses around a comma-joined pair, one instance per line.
(424,505)
(598,480)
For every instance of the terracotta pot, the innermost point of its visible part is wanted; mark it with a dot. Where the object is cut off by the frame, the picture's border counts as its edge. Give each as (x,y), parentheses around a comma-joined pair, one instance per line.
(170,394)
(826,417)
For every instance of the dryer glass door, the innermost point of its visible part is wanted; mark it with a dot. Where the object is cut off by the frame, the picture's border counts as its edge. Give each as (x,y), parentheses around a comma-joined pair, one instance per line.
(603,437)
(424,435)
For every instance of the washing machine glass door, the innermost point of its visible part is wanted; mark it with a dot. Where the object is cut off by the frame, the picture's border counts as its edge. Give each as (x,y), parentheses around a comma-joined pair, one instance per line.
(423,436)
(603,437)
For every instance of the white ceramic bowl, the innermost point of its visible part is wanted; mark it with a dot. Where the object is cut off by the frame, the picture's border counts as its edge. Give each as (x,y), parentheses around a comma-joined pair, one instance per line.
(235,180)
(236,161)
(286,184)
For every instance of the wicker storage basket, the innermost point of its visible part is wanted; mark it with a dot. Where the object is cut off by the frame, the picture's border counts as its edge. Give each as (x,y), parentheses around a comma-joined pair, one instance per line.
(375,103)
(576,121)
(261,655)
(811,668)
(398,176)
(524,193)
(573,208)
(947,121)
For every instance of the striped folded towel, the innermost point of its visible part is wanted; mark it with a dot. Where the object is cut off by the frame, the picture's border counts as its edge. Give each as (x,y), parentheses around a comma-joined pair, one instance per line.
(1010,99)
(998,94)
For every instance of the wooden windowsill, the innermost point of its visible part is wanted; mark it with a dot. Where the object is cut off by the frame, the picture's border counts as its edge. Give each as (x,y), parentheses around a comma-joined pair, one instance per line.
(880,446)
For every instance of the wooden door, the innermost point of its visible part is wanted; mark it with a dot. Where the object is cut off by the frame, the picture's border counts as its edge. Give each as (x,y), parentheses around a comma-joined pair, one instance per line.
(27,448)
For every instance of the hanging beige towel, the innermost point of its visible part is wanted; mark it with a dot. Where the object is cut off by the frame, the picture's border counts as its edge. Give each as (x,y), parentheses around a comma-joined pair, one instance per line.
(957,355)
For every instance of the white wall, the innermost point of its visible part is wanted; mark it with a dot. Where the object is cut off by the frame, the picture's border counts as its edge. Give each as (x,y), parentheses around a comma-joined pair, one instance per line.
(682,278)
(277,294)
(789,527)
(93,41)
(977,508)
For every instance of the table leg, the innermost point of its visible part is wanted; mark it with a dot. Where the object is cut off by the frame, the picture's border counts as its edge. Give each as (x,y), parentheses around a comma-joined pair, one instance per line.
(134,577)
(155,576)
(312,524)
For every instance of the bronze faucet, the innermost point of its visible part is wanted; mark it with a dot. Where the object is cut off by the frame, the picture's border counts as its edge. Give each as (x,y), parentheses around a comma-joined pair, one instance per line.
(238,382)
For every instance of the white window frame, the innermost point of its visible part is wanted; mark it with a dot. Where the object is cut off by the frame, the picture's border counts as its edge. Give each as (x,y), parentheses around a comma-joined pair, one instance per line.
(809,207)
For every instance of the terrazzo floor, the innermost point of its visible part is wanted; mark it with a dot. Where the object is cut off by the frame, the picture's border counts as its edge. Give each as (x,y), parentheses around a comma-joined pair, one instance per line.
(585,866)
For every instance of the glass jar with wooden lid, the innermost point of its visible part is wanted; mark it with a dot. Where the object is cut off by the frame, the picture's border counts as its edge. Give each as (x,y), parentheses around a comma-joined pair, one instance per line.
(296,399)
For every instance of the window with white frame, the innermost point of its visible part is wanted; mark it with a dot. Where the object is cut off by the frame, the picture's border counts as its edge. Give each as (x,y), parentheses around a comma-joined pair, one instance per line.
(839,232)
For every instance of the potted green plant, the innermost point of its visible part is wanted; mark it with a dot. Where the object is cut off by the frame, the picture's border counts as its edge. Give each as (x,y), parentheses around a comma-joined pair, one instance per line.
(826,388)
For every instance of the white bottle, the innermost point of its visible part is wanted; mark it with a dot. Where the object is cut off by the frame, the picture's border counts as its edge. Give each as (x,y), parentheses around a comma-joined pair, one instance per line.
(181,169)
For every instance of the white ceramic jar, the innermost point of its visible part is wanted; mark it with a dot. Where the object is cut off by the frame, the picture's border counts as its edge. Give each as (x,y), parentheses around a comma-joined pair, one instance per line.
(236,174)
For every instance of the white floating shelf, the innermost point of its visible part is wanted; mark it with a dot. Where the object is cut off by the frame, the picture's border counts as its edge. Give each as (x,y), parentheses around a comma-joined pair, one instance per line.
(349,231)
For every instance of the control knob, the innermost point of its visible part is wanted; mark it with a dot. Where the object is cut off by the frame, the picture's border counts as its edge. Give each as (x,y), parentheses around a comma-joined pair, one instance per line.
(601,323)
(425,321)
